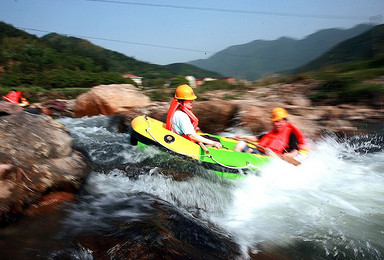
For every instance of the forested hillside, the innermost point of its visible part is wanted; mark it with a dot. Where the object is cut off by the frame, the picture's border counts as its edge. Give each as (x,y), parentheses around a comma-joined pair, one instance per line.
(350,72)
(57,61)
(28,61)
(364,48)
(103,59)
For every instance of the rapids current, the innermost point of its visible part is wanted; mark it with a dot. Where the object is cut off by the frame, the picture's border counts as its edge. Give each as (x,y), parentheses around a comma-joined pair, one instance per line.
(330,207)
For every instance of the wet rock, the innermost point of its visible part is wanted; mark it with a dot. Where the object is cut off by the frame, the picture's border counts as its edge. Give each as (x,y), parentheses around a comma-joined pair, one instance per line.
(252,117)
(49,202)
(7,108)
(58,105)
(110,99)
(158,110)
(37,158)
(133,171)
(214,116)
(118,123)
(53,108)
(161,232)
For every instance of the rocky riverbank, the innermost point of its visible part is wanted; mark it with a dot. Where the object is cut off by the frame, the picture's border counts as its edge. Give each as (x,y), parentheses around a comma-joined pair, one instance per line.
(250,110)
(39,166)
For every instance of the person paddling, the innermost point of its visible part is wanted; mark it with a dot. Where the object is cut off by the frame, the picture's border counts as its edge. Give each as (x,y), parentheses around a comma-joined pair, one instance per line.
(182,121)
(284,139)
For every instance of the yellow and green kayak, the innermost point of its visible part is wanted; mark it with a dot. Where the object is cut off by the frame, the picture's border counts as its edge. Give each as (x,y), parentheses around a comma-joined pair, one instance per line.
(225,162)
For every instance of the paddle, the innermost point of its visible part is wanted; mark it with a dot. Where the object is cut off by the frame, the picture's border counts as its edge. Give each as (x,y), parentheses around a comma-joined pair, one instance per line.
(204,148)
(270,152)
(5,98)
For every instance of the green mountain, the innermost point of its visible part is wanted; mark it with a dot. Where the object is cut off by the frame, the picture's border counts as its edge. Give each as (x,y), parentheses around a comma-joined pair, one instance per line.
(7,30)
(57,61)
(257,58)
(103,59)
(187,69)
(366,47)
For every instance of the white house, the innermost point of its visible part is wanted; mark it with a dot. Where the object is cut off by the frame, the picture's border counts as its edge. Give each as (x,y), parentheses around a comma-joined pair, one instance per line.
(135,78)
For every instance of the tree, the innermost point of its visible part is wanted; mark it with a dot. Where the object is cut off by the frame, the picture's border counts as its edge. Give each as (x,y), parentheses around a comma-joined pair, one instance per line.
(178,80)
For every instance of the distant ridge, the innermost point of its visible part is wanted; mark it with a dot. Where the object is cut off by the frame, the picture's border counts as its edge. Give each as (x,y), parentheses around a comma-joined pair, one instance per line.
(257,58)
(368,46)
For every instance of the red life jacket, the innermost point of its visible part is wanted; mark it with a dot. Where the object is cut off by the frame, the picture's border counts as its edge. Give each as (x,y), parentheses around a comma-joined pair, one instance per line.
(279,141)
(13,97)
(176,105)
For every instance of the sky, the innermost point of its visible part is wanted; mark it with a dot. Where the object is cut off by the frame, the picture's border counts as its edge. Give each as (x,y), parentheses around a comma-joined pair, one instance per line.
(171,31)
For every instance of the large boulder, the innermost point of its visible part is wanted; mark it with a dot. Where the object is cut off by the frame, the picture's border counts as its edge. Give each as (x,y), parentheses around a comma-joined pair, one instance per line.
(36,159)
(215,116)
(253,118)
(110,99)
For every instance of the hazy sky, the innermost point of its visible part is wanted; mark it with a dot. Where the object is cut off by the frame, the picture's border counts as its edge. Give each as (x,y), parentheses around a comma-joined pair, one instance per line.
(170,31)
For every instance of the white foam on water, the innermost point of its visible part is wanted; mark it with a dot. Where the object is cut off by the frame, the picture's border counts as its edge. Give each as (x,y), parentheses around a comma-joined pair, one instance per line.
(335,198)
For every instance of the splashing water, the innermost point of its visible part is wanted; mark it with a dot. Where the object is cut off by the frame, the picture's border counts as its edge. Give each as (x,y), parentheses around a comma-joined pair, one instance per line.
(332,202)
(330,206)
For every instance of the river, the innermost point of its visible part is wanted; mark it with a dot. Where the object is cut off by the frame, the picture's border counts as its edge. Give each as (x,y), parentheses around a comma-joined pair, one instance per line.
(330,207)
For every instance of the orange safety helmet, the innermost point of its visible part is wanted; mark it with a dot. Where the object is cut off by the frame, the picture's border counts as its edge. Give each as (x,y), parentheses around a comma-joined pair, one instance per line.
(279,113)
(185,92)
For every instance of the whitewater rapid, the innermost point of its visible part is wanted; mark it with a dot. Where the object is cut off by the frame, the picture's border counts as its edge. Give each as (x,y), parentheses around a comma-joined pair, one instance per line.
(333,202)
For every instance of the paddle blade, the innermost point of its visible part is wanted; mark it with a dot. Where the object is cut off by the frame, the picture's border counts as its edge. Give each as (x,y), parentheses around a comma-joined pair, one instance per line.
(290,160)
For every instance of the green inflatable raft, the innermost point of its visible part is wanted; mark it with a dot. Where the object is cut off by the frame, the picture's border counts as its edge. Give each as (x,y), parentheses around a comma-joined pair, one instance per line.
(224,162)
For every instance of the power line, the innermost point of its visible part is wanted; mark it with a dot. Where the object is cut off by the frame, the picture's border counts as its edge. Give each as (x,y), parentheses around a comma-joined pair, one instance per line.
(157,46)
(115,40)
(236,11)
(146,44)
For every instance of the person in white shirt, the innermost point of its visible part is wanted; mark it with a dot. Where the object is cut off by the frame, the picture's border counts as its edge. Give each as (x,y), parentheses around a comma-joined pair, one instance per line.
(182,121)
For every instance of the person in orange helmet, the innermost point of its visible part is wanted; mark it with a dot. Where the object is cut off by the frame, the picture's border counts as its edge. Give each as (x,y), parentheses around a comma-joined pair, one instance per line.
(284,139)
(182,121)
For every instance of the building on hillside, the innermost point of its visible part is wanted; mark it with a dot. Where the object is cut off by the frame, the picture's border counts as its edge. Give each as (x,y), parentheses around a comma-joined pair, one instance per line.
(136,79)
(209,79)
